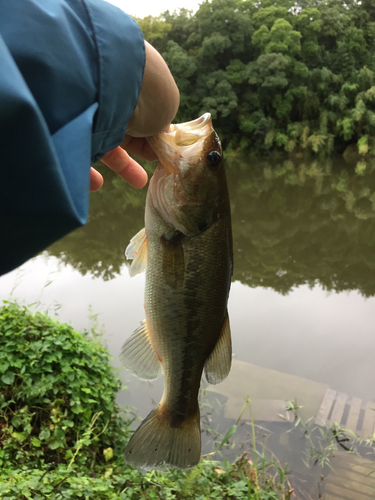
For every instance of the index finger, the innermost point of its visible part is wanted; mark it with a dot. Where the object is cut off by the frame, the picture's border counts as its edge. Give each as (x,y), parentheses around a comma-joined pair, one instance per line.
(120,162)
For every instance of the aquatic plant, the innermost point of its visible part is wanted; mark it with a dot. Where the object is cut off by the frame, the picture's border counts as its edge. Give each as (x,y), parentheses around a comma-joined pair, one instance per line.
(322,443)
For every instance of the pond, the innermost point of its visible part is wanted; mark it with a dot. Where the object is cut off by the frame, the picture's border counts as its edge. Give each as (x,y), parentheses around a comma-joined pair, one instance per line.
(302,306)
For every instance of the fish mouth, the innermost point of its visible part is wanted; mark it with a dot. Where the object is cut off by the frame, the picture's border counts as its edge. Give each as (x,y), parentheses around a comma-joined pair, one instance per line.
(182,141)
(189,133)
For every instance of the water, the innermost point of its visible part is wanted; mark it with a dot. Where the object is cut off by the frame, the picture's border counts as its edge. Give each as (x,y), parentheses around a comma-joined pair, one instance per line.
(302,299)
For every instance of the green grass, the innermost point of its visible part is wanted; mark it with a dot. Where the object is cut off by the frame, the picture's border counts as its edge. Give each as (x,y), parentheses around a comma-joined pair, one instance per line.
(62,435)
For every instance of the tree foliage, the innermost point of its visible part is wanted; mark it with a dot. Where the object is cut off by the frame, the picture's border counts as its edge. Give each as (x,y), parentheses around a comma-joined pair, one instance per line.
(287,75)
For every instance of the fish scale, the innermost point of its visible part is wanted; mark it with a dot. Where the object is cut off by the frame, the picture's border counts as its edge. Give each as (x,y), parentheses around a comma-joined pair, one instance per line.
(176,314)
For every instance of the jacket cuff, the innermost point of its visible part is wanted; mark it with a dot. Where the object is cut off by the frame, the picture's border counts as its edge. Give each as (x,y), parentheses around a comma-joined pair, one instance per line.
(121,62)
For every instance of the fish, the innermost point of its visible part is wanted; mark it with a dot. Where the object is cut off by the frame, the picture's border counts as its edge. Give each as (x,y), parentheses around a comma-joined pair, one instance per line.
(186,249)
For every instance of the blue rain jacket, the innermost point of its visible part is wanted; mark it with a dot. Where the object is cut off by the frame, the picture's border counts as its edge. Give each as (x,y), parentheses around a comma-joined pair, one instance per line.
(70,77)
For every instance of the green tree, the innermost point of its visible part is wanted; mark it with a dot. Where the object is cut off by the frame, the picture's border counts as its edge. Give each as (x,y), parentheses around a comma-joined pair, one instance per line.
(276,75)
(154,30)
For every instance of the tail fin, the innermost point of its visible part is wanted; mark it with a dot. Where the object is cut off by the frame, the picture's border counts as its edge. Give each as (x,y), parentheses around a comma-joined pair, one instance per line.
(155,444)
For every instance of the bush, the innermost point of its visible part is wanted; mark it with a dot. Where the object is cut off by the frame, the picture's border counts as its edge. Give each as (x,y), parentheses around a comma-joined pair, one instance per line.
(57,394)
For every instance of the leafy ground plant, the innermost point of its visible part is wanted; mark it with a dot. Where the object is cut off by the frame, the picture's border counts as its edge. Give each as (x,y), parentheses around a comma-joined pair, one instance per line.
(57,394)
(62,434)
(209,480)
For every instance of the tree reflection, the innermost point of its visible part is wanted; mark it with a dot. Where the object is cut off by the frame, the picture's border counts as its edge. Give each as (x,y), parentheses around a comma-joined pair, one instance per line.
(116,214)
(294,222)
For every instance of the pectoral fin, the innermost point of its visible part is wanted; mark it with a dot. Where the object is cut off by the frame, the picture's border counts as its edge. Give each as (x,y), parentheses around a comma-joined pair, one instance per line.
(138,355)
(138,251)
(218,363)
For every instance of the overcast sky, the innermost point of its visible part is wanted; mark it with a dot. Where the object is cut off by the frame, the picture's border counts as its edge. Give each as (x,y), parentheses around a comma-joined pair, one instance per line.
(143,8)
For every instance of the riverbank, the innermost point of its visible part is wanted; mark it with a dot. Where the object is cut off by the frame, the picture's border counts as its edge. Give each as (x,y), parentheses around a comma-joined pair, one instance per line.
(62,434)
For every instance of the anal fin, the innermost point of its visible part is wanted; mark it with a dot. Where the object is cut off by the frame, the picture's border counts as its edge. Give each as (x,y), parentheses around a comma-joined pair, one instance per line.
(218,363)
(138,355)
(138,251)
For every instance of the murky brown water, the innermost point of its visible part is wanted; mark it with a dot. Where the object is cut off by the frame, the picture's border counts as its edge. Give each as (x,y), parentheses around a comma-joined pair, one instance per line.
(302,299)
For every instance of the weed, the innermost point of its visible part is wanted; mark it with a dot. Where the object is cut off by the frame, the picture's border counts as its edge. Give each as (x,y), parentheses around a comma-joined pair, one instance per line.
(323,442)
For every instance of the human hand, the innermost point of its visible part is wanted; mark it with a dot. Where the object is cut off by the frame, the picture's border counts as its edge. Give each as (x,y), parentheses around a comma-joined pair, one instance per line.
(120,162)
(157,106)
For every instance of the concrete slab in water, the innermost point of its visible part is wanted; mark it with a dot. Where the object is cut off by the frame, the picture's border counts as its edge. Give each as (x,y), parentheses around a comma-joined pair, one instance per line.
(352,479)
(269,390)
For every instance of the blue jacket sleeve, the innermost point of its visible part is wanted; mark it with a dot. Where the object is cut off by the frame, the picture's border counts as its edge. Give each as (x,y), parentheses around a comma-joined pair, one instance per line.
(70,77)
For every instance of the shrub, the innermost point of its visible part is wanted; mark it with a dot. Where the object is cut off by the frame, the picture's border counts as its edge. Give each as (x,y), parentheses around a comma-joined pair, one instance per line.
(57,394)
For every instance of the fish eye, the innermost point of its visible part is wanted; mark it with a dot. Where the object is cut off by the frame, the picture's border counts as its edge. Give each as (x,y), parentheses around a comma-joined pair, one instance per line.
(213,159)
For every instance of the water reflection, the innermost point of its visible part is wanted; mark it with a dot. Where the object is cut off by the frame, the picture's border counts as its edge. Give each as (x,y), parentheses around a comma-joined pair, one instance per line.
(304,223)
(116,214)
(294,223)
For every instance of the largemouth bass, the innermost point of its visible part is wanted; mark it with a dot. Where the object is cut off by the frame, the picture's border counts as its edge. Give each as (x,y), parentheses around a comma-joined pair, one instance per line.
(186,248)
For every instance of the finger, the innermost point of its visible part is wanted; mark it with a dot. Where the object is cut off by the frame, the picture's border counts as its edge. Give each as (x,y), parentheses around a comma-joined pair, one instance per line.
(138,146)
(96,180)
(120,162)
